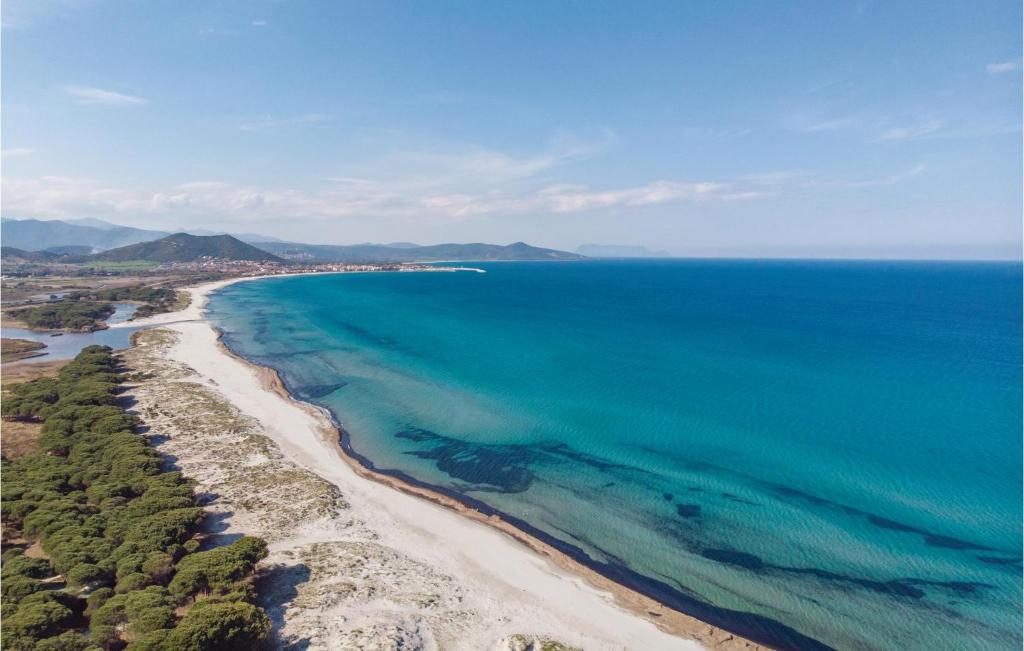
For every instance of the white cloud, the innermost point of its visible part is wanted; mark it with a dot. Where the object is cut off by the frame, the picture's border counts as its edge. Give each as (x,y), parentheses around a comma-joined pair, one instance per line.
(562,200)
(424,187)
(17,151)
(479,168)
(62,196)
(912,132)
(90,95)
(1002,68)
(259,23)
(266,123)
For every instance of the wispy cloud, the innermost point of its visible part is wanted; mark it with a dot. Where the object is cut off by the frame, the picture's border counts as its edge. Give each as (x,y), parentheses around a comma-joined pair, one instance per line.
(259,23)
(440,184)
(564,199)
(912,132)
(800,181)
(440,167)
(91,95)
(16,151)
(1003,67)
(819,120)
(57,196)
(865,182)
(834,124)
(268,122)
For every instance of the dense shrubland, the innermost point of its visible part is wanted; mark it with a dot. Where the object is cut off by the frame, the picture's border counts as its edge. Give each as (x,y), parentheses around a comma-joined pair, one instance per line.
(120,565)
(155,299)
(87,310)
(65,314)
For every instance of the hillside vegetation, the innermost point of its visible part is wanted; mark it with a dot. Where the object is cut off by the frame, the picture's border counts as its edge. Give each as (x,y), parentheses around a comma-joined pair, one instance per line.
(182,247)
(119,566)
(12,254)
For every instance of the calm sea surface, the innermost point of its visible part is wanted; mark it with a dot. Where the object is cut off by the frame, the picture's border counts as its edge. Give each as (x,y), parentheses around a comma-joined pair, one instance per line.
(808,453)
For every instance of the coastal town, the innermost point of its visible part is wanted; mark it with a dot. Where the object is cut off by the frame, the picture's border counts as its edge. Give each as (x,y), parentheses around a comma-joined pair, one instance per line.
(268,268)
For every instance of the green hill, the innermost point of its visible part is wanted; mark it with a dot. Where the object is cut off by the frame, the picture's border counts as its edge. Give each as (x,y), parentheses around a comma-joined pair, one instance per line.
(182,247)
(12,254)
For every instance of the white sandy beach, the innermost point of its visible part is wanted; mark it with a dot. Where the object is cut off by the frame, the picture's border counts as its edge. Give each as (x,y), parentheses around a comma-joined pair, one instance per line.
(507,587)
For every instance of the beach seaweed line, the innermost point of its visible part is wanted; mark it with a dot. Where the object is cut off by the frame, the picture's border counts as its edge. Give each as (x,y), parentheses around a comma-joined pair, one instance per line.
(669,608)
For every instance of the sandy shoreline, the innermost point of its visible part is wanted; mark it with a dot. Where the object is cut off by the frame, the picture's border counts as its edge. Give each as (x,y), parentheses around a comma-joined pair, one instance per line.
(551,591)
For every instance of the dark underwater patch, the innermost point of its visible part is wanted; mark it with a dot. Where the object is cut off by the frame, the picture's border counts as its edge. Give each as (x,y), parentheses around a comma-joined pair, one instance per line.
(948,542)
(756,627)
(688,510)
(738,499)
(884,523)
(930,539)
(315,391)
(366,335)
(739,559)
(500,468)
(992,560)
(668,497)
(563,450)
(904,587)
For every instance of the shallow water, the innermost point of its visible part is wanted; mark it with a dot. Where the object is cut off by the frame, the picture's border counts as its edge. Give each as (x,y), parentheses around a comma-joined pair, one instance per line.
(808,453)
(68,344)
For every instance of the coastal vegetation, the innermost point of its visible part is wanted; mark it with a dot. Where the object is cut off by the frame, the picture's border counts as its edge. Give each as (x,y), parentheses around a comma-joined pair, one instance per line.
(66,314)
(14,349)
(155,300)
(87,310)
(102,541)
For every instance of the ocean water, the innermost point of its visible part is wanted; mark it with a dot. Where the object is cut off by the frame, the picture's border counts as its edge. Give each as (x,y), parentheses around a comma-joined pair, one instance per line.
(811,454)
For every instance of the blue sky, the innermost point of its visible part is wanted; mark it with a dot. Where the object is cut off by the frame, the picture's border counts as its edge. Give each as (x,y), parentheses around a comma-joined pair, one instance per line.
(888,129)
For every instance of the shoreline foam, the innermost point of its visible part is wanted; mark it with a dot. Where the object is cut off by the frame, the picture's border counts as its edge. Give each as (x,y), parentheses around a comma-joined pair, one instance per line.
(631,610)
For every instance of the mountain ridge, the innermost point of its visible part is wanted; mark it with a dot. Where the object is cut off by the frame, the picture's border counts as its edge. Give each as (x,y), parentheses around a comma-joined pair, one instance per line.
(77,238)
(382,253)
(182,247)
(97,234)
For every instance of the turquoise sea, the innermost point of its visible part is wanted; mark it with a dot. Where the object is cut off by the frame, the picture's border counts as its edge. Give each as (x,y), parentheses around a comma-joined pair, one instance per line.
(811,454)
